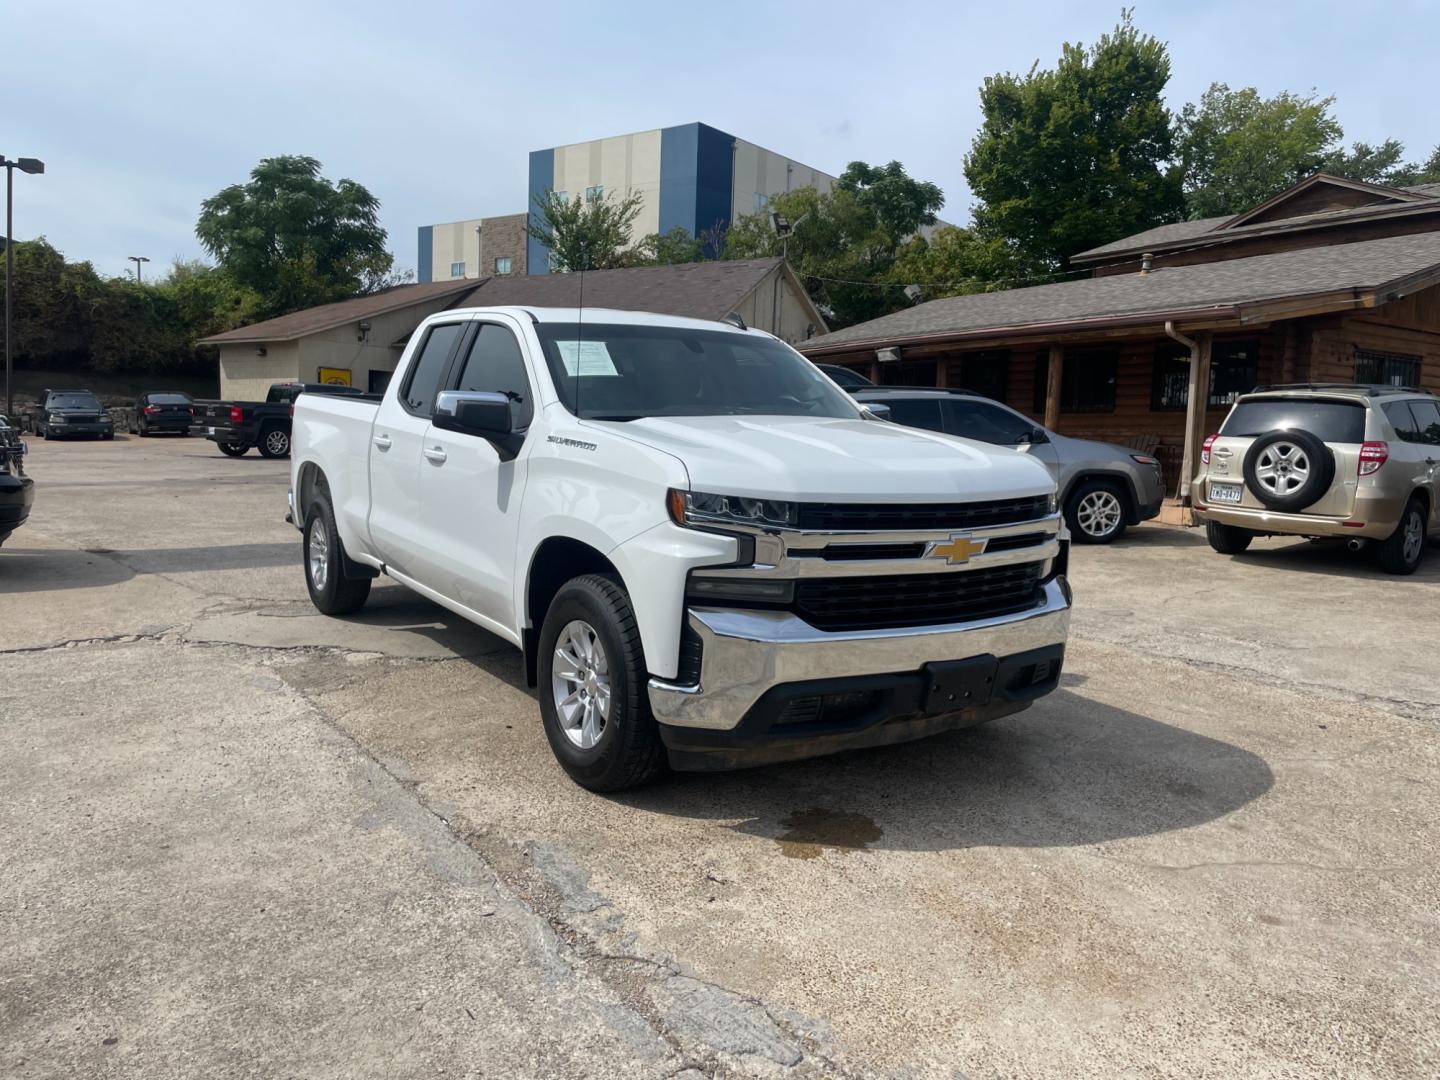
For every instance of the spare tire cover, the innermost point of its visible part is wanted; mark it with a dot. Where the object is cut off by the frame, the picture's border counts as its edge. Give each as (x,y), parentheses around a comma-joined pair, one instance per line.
(1289,470)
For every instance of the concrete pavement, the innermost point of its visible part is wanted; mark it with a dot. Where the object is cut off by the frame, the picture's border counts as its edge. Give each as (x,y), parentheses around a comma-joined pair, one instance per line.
(341,847)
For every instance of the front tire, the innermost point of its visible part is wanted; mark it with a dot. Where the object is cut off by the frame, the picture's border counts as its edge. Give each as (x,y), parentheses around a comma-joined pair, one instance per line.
(593,696)
(1096,511)
(330,590)
(1401,551)
(1227,539)
(275,443)
(233,449)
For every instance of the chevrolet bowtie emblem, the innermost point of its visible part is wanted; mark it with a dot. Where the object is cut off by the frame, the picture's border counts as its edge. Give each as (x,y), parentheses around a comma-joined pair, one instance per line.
(958,549)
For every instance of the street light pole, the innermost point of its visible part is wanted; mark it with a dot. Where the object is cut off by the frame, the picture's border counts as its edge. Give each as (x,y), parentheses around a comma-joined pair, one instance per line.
(137,260)
(29,165)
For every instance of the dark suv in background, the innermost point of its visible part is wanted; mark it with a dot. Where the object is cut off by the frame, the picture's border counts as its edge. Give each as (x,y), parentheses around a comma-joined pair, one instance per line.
(64,413)
(1103,488)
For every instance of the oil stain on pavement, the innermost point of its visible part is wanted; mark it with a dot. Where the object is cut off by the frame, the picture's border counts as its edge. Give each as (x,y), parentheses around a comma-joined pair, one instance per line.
(809,832)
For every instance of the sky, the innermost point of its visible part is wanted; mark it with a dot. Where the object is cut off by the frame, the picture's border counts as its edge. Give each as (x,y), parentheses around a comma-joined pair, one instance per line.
(141,111)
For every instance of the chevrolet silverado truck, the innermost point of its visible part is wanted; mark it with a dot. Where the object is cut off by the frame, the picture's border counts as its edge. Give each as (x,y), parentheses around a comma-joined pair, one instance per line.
(709,554)
(235,426)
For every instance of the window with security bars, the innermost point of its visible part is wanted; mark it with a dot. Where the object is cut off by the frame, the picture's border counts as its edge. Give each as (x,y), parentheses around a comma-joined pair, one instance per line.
(1386,369)
(1234,370)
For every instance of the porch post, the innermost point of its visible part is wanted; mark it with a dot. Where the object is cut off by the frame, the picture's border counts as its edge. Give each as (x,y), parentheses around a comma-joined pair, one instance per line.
(1052,386)
(1196,403)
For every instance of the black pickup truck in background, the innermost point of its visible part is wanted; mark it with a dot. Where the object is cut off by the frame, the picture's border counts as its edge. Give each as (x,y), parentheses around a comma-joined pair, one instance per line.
(238,425)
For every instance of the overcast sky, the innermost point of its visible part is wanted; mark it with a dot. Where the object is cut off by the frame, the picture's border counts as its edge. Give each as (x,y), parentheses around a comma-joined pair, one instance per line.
(141,110)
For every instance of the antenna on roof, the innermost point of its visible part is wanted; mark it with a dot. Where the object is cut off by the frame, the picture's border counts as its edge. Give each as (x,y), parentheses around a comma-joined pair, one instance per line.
(735,320)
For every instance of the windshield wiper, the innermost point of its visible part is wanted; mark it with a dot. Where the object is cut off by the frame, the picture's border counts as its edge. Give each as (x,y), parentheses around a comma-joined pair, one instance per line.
(621,417)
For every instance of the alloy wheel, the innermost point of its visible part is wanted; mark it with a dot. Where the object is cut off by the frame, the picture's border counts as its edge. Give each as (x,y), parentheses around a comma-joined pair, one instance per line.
(319,554)
(1099,513)
(580,683)
(278,443)
(1282,468)
(1414,536)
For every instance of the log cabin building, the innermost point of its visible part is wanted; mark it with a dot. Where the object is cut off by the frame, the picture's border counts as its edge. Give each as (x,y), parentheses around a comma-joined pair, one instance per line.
(1332,280)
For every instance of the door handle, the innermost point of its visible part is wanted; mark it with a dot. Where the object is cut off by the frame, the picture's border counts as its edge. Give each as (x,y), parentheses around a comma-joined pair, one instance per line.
(382,442)
(435,454)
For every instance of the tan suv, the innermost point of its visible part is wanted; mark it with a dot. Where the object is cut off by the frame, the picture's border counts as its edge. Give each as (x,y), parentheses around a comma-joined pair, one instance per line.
(1361,462)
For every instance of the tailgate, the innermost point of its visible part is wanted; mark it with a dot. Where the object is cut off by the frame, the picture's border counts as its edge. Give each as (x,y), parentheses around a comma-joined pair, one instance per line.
(1340,424)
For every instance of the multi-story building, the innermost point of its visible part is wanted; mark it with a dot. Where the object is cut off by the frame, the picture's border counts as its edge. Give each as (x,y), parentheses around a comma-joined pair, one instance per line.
(693,176)
(476,247)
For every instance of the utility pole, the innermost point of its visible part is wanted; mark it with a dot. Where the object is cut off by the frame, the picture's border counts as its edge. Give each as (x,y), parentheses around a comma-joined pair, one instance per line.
(28,165)
(137,260)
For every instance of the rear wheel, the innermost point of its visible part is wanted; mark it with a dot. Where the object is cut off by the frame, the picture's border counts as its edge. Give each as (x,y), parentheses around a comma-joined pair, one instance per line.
(1400,552)
(274,443)
(593,697)
(330,590)
(1095,512)
(1227,539)
(233,449)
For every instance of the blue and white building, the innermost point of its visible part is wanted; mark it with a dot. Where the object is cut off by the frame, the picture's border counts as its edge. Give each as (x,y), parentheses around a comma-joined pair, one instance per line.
(693,176)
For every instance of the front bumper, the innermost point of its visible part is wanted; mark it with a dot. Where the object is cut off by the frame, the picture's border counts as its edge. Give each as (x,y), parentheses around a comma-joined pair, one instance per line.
(753,664)
(84,427)
(1373,516)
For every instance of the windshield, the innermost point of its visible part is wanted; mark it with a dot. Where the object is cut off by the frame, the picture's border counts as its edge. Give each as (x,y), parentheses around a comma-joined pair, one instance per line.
(73,401)
(1329,421)
(625,372)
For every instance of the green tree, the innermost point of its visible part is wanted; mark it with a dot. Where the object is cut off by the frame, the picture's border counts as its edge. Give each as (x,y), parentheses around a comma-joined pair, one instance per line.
(1382,164)
(900,204)
(956,261)
(585,234)
(844,243)
(294,238)
(1074,157)
(1238,149)
(664,249)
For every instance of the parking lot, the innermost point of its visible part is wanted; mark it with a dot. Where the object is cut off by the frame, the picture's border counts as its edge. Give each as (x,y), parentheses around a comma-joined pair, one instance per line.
(239,838)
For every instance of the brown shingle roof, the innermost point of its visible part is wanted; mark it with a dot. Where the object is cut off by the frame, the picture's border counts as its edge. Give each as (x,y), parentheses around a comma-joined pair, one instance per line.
(703,290)
(1207,230)
(328,316)
(1180,291)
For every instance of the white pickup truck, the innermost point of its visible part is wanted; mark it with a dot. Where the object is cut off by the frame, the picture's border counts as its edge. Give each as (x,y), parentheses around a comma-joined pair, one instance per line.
(709,554)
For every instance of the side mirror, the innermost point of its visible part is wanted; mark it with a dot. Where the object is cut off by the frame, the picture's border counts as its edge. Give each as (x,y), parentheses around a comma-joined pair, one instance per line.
(480,413)
(876,409)
(1036,437)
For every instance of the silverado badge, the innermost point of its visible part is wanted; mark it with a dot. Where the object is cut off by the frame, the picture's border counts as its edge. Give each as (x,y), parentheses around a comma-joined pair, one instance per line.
(958,549)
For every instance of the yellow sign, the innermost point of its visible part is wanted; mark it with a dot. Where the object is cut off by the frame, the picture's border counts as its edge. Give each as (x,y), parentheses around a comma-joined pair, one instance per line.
(958,549)
(335,376)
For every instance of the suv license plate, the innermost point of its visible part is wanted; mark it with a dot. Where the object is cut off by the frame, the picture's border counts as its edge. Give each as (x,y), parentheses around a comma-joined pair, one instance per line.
(1225,493)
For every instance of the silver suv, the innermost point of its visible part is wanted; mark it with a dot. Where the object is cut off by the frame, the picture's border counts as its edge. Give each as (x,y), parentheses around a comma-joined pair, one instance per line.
(1103,488)
(1361,462)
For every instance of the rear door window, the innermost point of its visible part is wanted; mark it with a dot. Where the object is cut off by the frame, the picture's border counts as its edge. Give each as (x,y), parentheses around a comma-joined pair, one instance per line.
(423,381)
(988,423)
(915,412)
(1330,421)
(1427,421)
(1407,428)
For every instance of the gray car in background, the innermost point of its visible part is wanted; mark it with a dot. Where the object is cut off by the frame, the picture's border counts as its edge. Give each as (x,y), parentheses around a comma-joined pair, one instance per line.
(1103,488)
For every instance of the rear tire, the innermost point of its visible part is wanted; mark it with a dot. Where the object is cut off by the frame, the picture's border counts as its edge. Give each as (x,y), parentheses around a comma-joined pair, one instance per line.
(623,750)
(330,590)
(1402,550)
(274,443)
(1227,539)
(1096,512)
(233,449)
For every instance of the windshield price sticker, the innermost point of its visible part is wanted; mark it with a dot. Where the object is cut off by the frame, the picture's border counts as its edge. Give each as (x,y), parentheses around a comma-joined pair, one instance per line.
(586,358)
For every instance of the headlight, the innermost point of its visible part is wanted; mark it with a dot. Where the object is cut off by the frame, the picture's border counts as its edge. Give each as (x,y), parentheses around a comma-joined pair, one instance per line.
(56,418)
(1053,506)
(703,508)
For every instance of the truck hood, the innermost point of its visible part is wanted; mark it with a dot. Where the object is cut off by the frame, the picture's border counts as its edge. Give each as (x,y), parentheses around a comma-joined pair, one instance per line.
(812,459)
